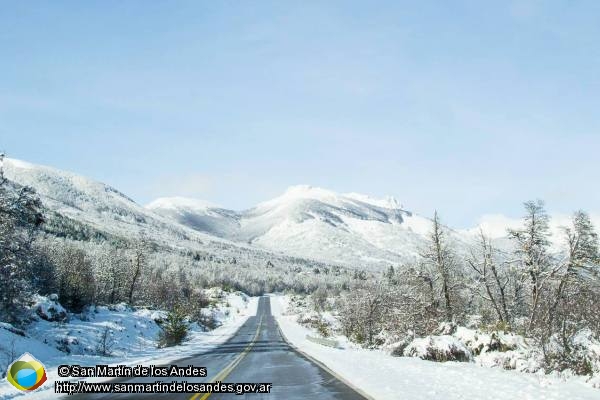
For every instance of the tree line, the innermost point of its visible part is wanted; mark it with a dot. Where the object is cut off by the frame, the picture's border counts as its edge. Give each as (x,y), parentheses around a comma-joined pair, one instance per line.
(531,289)
(46,253)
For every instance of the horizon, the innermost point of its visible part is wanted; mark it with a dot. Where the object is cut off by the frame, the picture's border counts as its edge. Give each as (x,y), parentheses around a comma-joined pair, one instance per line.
(494,225)
(470,109)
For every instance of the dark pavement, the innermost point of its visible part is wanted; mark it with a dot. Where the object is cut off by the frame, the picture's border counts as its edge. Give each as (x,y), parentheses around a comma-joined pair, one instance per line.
(257,353)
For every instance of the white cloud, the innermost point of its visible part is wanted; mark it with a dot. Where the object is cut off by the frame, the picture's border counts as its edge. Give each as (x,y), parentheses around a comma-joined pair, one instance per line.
(496,225)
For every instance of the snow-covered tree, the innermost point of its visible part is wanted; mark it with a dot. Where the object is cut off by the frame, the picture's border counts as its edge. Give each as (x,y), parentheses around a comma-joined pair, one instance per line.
(440,261)
(532,252)
(20,217)
(492,282)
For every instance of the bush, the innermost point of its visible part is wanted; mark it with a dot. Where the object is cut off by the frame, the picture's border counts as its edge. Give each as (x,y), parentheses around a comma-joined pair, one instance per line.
(323,329)
(208,321)
(75,278)
(579,353)
(49,309)
(397,349)
(174,329)
(438,348)
(105,343)
(195,304)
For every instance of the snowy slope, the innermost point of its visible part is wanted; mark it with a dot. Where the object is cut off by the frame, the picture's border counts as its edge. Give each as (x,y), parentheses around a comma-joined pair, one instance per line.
(197,214)
(103,210)
(306,221)
(385,377)
(352,229)
(133,339)
(91,202)
(349,229)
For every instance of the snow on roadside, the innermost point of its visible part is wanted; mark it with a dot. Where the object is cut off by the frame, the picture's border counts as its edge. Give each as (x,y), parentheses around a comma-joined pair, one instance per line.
(134,335)
(385,377)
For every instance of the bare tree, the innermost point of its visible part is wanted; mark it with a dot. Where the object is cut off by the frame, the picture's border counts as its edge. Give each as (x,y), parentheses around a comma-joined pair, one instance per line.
(494,283)
(364,310)
(75,277)
(583,252)
(439,255)
(532,243)
(138,263)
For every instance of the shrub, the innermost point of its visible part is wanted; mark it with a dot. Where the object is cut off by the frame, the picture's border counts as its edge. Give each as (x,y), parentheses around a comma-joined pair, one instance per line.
(208,321)
(438,348)
(105,343)
(323,329)
(174,329)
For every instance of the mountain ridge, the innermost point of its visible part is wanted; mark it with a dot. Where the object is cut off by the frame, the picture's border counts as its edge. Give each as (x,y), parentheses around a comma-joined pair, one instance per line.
(305,222)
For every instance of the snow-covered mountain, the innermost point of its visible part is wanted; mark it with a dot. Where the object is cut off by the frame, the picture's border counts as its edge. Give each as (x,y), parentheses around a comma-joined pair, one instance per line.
(197,214)
(92,203)
(84,209)
(351,229)
(306,221)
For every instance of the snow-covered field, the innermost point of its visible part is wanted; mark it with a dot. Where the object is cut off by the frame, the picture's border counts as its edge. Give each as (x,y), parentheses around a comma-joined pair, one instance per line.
(133,336)
(385,377)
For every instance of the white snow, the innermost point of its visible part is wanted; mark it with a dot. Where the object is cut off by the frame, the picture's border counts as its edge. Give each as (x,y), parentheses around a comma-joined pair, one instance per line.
(316,223)
(99,207)
(133,332)
(386,202)
(176,203)
(444,344)
(385,377)
(305,222)
(48,308)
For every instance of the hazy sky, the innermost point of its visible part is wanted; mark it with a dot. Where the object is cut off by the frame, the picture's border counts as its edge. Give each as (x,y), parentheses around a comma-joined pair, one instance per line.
(470,107)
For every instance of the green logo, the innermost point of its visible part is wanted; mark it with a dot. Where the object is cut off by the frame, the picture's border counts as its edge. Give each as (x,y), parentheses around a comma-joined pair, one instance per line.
(26,373)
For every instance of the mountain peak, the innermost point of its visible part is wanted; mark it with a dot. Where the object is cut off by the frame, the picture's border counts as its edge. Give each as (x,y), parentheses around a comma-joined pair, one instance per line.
(386,202)
(308,192)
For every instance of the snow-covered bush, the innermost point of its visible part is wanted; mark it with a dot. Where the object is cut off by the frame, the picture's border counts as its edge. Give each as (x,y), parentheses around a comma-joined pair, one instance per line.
(580,354)
(207,320)
(522,360)
(396,345)
(446,328)
(316,321)
(438,348)
(48,308)
(64,344)
(479,342)
(309,318)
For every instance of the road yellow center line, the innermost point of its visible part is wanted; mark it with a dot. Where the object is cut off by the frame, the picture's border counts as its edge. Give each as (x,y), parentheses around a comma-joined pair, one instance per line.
(231,366)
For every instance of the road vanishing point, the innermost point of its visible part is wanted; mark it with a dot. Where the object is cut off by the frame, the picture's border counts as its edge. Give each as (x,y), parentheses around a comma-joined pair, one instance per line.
(256,353)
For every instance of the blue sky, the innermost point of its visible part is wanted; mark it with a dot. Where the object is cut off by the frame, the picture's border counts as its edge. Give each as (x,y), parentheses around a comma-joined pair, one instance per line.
(469,107)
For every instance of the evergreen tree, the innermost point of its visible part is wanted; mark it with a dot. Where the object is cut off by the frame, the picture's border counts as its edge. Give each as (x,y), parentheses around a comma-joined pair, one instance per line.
(20,217)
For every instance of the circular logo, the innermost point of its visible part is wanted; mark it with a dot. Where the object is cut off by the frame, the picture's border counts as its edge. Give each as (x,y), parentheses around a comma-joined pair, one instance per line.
(26,373)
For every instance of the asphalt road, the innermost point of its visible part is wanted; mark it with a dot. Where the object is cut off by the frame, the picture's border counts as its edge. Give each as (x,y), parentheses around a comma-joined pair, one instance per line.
(257,353)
